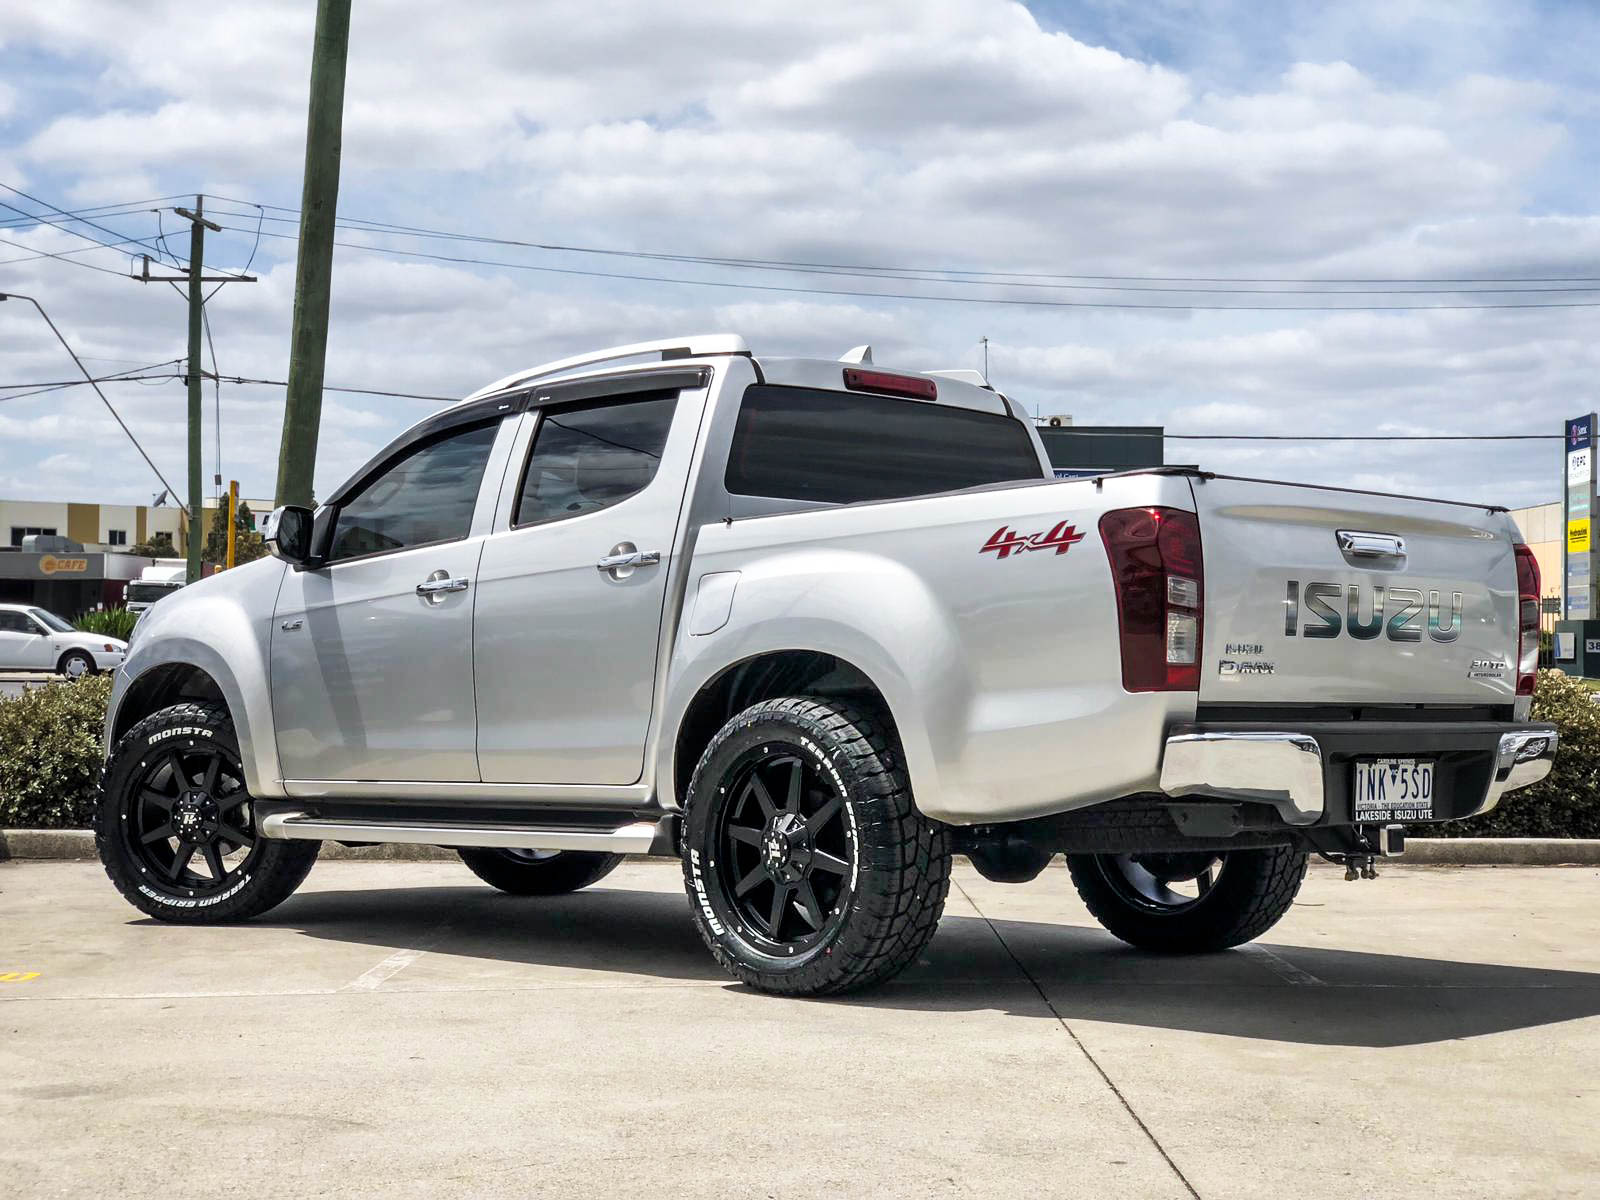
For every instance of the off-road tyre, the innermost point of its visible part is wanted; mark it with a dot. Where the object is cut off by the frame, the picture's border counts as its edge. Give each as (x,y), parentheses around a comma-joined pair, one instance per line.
(64,664)
(1253,891)
(881,908)
(268,871)
(517,875)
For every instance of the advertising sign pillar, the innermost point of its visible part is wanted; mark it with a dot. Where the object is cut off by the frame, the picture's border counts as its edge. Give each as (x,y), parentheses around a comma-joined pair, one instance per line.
(1579,555)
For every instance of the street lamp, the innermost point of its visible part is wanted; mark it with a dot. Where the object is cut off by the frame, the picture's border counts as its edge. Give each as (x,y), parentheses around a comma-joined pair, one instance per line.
(92,383)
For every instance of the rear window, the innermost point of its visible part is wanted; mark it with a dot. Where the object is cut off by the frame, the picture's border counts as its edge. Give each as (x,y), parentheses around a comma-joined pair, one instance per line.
(838,447)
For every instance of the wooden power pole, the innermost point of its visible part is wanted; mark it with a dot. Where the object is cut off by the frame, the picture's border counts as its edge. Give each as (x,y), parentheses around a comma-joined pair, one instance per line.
(197,252)
(319,197)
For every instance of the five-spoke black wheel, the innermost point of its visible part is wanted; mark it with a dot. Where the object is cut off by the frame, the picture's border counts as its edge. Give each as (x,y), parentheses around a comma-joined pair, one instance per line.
(176,827)
(808,867)
(1190,902)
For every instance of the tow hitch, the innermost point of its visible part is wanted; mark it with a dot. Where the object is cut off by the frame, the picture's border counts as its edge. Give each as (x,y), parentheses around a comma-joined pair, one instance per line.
(1372,843)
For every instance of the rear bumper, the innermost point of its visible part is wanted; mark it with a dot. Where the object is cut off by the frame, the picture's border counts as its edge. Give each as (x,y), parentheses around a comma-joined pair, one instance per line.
(1305,772)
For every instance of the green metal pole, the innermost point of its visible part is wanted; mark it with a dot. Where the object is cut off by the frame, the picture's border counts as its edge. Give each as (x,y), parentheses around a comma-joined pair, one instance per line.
(197,245)
(319,197)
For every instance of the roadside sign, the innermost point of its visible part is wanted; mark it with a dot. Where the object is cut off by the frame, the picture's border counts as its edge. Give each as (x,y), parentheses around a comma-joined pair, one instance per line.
(1578,536)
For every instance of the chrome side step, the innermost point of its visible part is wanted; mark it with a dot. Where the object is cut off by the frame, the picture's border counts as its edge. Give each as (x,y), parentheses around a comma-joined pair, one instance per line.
(639,837)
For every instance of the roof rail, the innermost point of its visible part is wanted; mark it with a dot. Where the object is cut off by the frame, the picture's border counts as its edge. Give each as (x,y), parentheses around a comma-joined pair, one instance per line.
(696,346)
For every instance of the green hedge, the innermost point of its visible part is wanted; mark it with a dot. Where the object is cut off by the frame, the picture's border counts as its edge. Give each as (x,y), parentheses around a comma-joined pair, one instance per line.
(107,622)
(1566,803)
(50,754)
(50,763)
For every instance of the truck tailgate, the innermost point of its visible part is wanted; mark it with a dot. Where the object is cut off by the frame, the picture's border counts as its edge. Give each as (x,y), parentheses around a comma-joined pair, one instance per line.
(1322,596)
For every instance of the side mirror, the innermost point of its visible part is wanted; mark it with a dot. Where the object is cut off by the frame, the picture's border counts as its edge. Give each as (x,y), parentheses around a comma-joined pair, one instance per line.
(287,529)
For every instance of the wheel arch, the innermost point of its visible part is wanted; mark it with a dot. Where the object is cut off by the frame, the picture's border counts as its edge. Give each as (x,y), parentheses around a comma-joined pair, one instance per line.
(160,687)
(765,676)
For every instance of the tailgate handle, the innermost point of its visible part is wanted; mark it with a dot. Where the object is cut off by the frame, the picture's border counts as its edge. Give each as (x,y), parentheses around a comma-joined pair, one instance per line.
(1358,544)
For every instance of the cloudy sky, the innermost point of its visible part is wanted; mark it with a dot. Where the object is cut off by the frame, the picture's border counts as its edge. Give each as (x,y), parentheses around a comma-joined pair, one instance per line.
(1170,144)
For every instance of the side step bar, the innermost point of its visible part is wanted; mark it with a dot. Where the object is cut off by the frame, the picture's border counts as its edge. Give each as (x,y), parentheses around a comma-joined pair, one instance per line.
(640,837)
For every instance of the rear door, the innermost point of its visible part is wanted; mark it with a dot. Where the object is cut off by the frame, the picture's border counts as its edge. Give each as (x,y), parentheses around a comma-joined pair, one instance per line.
(570,591)
(1322,596)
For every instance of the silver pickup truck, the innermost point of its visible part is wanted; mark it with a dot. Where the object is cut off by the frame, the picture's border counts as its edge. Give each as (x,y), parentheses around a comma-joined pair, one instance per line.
(813,627)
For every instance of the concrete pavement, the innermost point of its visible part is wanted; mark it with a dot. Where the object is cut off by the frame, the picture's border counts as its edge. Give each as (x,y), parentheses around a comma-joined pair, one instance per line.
(401,1029)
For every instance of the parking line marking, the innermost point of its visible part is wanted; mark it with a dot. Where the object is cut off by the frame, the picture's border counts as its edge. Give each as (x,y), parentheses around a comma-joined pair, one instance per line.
(18,976)
(388,968)
(1281,967)
(371,980)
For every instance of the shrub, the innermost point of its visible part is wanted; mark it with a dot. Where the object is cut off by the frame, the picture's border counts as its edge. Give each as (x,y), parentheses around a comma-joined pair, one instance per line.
(107,622)
(1566,803)
(50,754)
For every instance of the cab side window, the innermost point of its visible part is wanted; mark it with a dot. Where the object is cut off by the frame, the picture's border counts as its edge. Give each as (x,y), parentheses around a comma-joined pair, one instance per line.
(15,622)
(590,456)
(426,496)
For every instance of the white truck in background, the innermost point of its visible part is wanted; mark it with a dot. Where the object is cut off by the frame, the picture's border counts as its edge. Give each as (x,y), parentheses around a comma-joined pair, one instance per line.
(161,579)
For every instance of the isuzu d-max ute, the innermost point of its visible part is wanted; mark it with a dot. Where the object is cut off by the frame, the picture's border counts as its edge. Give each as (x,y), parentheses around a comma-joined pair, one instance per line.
(813,627)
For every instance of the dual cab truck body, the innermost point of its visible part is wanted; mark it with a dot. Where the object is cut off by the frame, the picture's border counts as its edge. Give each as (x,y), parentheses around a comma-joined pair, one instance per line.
(813,626)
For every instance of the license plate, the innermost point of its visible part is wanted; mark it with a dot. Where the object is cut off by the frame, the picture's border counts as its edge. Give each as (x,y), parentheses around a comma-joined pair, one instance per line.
(1394,789)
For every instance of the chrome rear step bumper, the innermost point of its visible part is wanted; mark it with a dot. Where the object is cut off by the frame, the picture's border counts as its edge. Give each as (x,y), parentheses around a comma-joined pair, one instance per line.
(638,837)
(1292,769)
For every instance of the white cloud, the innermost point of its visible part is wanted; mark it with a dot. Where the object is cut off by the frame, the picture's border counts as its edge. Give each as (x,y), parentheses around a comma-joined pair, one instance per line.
(945,132)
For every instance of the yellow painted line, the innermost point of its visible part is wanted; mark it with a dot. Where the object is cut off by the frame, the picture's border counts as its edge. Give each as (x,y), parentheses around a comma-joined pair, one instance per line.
(18,976)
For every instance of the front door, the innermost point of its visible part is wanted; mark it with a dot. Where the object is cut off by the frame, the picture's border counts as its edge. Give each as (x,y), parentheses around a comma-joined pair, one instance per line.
(372,652)
(570,597)
(23,644)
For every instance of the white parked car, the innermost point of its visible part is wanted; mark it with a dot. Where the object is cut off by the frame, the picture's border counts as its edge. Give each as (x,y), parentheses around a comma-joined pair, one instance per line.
(35,639)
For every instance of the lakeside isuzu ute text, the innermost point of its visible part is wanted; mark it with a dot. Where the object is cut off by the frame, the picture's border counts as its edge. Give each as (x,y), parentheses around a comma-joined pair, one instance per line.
(813,627)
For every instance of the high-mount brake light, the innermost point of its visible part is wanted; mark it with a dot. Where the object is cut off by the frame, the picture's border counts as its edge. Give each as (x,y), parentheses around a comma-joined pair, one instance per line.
(1160,582)
(882,382)
(1528,592)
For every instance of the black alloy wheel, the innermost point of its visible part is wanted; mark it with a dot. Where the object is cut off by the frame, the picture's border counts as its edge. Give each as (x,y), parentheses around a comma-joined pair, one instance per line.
(175,824)
(189,825)
(1163,884)
(1191,902)
(785,838)
(809,870)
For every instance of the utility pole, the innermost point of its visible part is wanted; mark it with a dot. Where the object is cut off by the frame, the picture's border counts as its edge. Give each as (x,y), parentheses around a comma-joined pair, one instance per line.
(194,276)
(985,341)
(197,251)
(319,198)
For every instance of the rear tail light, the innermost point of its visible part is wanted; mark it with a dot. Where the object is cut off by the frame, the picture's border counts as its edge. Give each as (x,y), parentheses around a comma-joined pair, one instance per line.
(1528,592)
(1160,582)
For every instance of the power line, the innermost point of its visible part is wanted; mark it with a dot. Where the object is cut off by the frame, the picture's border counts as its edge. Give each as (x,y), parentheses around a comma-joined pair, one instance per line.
(126,209)
(65,345)
(61,255)
(937,297)
(122,238)
(884,271)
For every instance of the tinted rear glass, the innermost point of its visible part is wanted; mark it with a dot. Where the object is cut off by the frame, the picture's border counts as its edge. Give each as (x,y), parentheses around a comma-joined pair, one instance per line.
(837,447)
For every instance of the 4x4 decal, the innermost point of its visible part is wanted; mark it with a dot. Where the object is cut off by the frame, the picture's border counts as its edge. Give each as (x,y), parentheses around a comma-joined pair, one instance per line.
(1004,542)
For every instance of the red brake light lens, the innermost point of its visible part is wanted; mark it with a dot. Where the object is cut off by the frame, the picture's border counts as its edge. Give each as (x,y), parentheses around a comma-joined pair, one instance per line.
(1529,589)
(886,384)
(1160,582)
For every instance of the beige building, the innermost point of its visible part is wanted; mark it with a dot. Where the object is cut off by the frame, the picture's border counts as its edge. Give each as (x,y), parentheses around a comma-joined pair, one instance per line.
(1544,530)
(103,528)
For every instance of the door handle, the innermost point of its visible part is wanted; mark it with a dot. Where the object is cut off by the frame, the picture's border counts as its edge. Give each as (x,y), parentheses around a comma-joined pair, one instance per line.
(633,558)
(1359,544)
(439,583)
